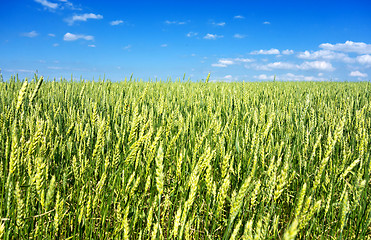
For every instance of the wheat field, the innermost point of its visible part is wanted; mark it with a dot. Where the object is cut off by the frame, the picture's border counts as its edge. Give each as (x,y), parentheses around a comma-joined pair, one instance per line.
(184,160)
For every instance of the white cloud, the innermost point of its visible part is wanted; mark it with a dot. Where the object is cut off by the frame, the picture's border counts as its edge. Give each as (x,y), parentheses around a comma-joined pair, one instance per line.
(218,65)
(289,77)
(92,46)
(358,74)
(239,36)
(192,34)
(348,46)
(281,65)
(175,22)
(364,59)
(244,60)
(116,22)
(51,35)
(221,24)
(69,5)
(258,67)
(287,52)
(19,70)
(73,37)
(266,52)
(55,68)
(239,17)
(309,55)
(294,77)
(84,17)
(164,45)
(48,4)
(31,34)
(226,78)
(266,23)
(127,48)
(264,77)
(224,62)
(212,36)
(55,45)
(53,6)
(325,54)
(316,65)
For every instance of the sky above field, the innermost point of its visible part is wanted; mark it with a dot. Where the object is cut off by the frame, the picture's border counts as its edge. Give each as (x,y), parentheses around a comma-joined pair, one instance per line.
(233,40)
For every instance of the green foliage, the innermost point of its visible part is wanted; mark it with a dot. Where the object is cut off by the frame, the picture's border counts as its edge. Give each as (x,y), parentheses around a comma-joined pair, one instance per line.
(173,160)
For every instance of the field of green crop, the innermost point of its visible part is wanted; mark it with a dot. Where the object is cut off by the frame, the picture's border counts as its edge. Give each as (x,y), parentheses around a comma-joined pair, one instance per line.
(184,160)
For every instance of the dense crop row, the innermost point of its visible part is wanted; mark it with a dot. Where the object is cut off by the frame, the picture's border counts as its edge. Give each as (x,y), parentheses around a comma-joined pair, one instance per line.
(184,160)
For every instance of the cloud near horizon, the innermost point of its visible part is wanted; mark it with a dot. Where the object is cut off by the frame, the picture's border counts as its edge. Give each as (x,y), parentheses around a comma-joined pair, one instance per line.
(325,54)
(313,65)
(358,74)
(288,77)
(224,62)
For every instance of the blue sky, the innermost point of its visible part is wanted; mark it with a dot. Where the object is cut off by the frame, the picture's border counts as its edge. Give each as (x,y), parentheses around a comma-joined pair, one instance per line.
(234,40)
